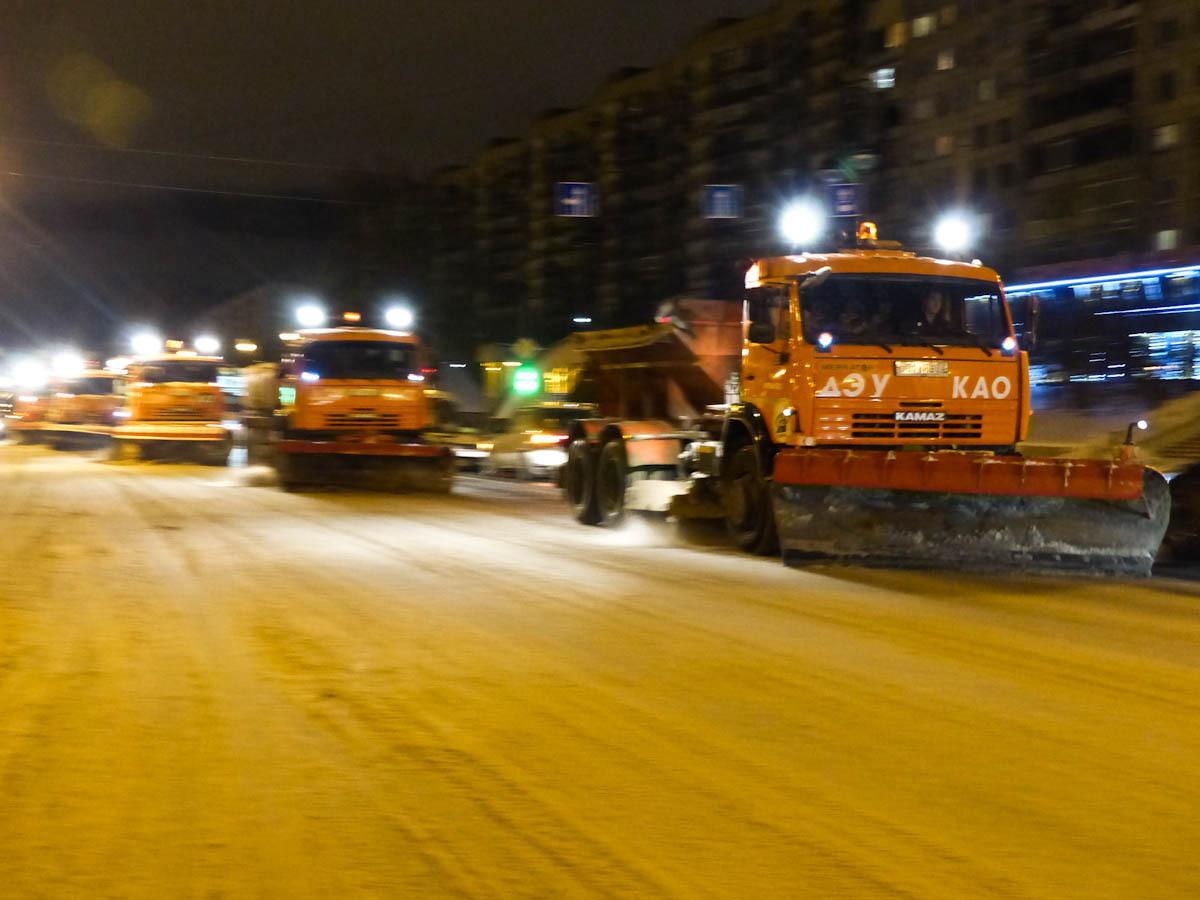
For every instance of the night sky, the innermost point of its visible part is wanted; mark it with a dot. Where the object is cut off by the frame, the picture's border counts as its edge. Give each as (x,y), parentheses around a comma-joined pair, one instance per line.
(376,83)
(209,101)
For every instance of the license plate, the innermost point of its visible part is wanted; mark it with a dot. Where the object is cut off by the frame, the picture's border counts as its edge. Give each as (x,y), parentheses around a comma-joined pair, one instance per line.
(365,392)
(937,368)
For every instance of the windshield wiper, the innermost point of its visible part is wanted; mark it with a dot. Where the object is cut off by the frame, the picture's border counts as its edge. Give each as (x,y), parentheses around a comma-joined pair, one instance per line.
(978,341)
(926,342)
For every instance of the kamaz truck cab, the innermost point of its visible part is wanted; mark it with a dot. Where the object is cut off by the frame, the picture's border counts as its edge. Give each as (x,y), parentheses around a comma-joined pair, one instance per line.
(354,409)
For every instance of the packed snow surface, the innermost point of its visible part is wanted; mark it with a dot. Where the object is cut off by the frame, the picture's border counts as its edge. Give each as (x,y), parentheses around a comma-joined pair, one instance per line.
(210,688)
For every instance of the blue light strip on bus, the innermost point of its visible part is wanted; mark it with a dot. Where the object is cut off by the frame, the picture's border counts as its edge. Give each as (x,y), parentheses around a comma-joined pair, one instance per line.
(1103,279)
(1156,310)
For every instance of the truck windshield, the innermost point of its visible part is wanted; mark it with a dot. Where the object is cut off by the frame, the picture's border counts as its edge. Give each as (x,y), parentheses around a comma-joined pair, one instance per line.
(359,359)
(898,309)
(181,370)
(87,386)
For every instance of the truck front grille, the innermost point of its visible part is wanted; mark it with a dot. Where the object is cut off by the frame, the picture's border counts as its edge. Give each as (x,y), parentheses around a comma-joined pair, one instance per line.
(180,414)
(364,418)
(882,426)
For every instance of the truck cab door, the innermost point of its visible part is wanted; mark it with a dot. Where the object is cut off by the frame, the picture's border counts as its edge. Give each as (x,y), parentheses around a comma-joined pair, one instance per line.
(766,354)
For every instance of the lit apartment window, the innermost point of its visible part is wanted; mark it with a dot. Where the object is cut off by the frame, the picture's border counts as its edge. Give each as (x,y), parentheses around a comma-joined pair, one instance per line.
(896,35)
(987,89)
(945,60)
(1167,239)
(883,79)
(949,13)
(923,25)
(944,145)
(1165,136)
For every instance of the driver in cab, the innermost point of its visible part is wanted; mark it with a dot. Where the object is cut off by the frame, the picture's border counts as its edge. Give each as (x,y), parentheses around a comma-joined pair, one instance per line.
(935,314)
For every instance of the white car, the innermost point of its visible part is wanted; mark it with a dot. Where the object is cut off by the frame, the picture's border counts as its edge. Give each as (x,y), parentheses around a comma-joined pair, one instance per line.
(532,446)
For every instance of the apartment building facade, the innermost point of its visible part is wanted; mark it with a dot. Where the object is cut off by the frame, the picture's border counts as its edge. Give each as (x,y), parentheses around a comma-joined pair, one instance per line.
(1067,127)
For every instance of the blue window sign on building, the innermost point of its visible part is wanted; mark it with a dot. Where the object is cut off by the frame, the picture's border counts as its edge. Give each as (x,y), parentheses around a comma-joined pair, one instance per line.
(722,201)
(844,199)
(575,198)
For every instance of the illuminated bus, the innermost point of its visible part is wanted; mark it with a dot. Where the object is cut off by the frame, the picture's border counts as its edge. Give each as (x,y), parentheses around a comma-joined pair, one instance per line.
(1143,324)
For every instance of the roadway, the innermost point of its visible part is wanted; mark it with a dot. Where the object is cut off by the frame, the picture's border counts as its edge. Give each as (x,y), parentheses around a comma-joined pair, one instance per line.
(212,688)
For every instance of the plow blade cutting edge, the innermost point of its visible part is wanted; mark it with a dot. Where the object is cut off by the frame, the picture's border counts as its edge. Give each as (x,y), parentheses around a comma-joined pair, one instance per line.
(379,467)
(940,510)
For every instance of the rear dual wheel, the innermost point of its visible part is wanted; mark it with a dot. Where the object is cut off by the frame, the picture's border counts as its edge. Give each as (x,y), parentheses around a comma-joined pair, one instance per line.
(578,482)
(594,483)
(612,470)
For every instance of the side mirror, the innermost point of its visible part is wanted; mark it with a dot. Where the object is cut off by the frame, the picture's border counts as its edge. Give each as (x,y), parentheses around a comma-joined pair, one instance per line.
(761,333)
(1033,319)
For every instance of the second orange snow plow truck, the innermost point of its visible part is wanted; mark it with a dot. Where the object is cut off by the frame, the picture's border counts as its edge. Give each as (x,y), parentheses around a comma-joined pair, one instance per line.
(354,410)
(174,404)
(882,399)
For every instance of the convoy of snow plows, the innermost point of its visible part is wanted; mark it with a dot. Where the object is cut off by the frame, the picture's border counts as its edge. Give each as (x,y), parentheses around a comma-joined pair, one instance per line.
(865,405)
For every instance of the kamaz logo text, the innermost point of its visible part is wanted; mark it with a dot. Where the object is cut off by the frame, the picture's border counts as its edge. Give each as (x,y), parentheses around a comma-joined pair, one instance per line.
(920,416)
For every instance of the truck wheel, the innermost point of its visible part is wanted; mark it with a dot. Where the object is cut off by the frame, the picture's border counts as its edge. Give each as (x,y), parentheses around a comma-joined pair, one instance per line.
(286,474)
(611,472)
(746,497)
(578,483)
(217,455)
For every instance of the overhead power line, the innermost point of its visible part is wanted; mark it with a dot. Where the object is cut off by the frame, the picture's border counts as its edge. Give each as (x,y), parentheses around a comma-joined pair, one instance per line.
(186,190)
(179,154)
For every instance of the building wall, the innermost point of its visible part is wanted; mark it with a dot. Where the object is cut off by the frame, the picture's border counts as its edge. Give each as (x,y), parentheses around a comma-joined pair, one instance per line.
(1070,126)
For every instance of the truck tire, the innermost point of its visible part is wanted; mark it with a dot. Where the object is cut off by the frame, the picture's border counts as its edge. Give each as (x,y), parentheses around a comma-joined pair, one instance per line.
(286,473)
(612,472)
(746,497)
(579,482)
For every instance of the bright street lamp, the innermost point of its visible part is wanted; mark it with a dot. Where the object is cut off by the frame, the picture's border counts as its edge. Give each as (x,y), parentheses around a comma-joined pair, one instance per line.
(310,315)
(802,222)
(953,232)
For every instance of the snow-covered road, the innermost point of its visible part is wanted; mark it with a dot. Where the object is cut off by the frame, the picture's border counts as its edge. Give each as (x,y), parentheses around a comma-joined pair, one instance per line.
(209,688)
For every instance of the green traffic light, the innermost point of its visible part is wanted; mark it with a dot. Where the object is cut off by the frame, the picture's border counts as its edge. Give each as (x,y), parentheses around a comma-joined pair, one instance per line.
(527,380)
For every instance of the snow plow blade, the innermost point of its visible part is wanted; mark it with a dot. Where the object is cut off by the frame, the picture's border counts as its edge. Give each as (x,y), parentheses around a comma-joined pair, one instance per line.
(380,466)
(910,509)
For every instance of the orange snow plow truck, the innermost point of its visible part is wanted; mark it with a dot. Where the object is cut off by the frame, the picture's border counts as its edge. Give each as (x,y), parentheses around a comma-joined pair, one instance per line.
(354,410)
(174,406)
(882,398)
(83,409)
(27,416)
